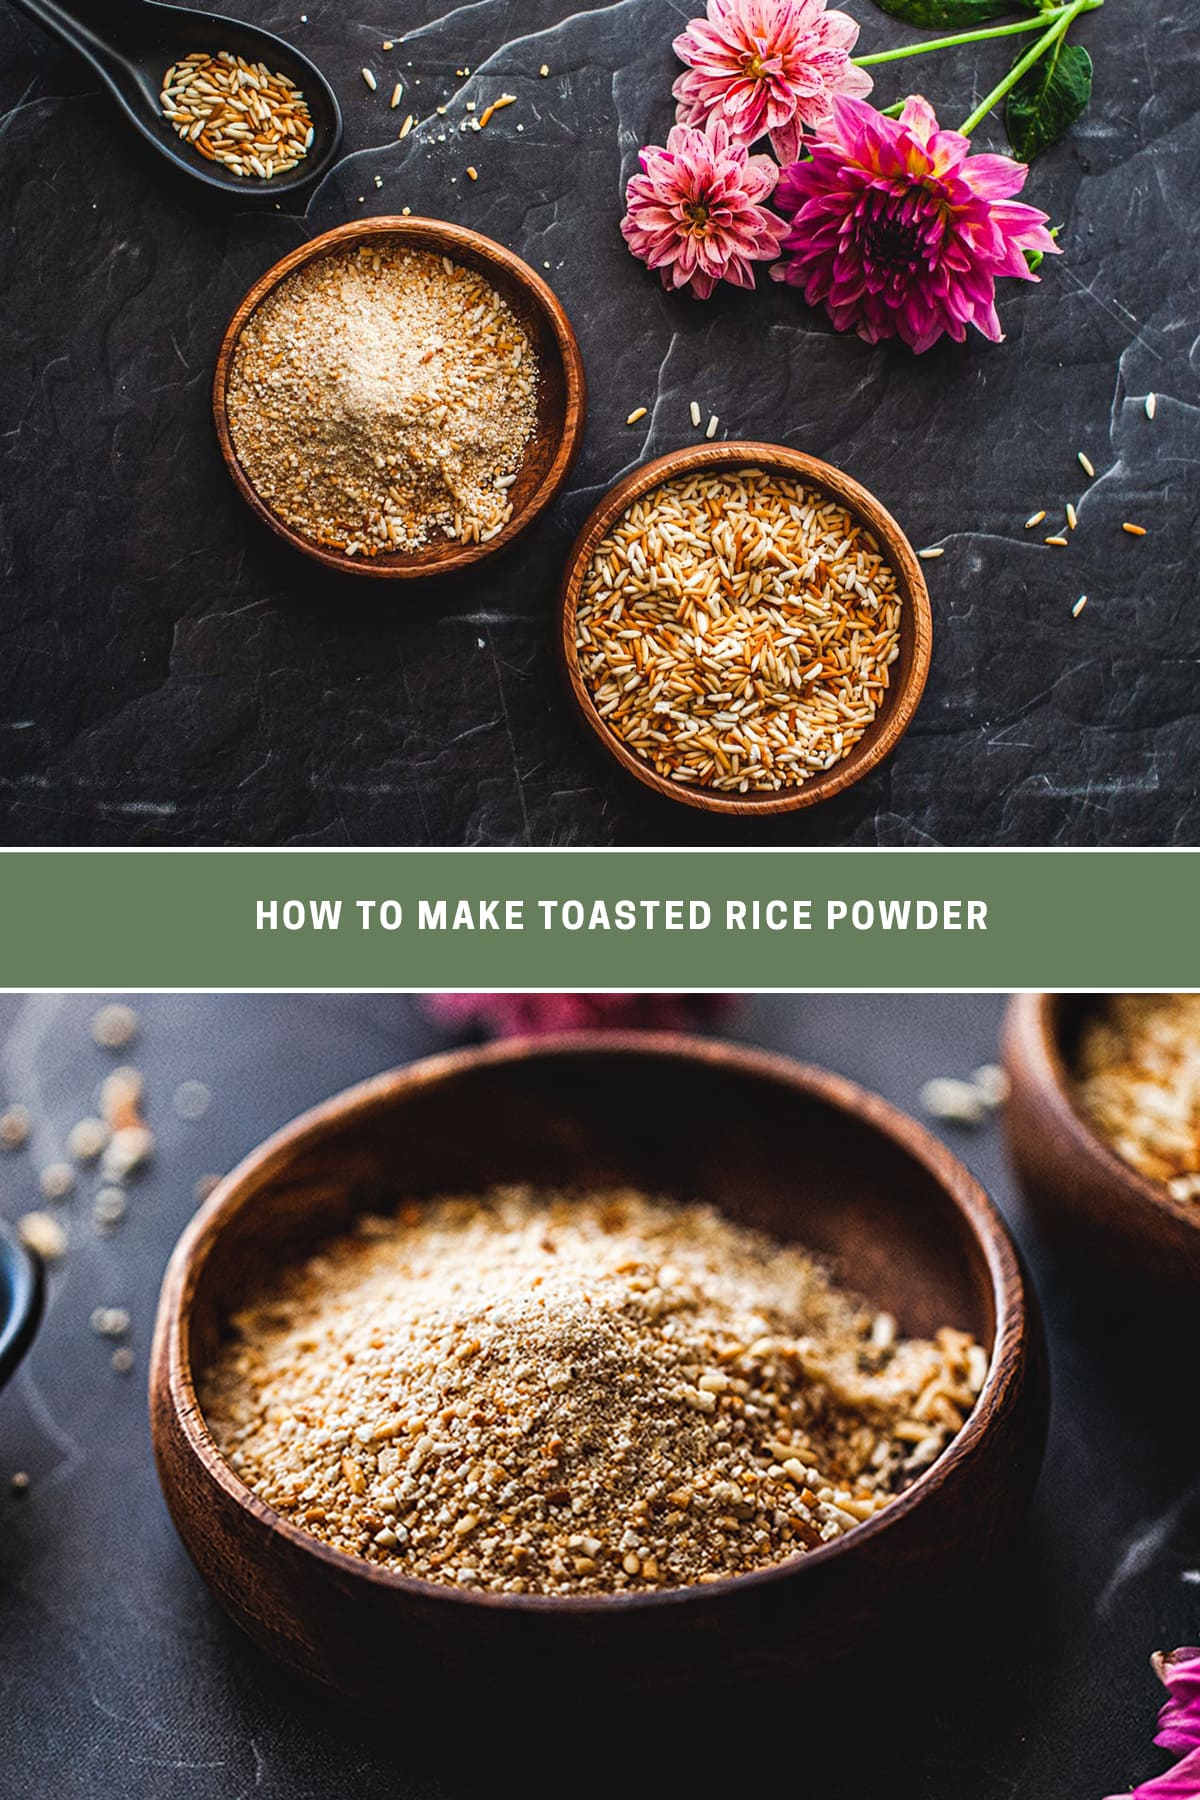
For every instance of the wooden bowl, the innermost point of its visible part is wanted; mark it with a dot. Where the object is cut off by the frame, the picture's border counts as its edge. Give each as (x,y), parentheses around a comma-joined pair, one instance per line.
(791,1150)
(562,390)
(909,671)
(1082,1191)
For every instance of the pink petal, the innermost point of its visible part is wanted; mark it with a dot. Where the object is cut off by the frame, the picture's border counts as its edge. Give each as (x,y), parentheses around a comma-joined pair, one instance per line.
(786,141)
(855,82)
(995,177)
(838,31)
(919,118)
(1179,1720)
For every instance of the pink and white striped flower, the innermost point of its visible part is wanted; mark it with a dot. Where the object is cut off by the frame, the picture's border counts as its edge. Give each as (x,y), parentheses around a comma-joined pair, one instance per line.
(767,68)
(695,211)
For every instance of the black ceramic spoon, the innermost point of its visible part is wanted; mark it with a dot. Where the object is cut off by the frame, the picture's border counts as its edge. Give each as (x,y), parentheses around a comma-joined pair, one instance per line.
(20,1301)
(132,43)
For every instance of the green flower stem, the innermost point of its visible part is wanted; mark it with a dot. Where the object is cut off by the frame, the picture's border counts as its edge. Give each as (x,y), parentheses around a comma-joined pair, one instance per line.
(1057,30)
(1036,23)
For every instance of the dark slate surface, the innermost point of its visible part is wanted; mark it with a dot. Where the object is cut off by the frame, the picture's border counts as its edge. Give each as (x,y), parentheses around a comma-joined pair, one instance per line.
(172,675)
(121,1680)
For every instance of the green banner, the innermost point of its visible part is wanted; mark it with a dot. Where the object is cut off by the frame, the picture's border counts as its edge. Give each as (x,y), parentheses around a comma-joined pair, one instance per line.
(605,919)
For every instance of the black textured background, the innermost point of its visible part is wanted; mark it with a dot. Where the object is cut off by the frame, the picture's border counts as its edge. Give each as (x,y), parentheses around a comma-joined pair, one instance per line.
(170,674)
(120,1679)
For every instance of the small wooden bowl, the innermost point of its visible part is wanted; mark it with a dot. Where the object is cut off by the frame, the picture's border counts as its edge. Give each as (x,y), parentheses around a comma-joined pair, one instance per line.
(562,390)
(791,1150)
(909,671)
(1082,1191)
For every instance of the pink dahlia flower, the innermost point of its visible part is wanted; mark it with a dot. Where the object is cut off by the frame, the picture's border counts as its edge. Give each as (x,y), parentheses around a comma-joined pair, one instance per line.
(1178,1728)
(899,232)
(694,212)
(767,67)
(514,1015)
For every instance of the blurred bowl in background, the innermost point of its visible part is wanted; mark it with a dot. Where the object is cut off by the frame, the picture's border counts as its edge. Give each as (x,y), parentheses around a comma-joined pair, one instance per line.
(1083,1193)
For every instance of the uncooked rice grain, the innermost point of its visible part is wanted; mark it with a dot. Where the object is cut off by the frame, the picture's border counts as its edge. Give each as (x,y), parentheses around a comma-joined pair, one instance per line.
(250,119)
(736,630)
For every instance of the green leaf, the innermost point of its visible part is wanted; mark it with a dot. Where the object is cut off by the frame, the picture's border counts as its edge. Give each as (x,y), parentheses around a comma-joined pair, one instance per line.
(1047,101)
(951,14)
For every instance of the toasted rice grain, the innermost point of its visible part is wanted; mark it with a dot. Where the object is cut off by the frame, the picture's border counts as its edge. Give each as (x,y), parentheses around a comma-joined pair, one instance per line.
(736,630)
(240,114)
(1138,1081)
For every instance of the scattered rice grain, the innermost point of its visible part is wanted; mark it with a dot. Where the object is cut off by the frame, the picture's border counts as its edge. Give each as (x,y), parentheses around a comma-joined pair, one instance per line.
(15,1126)
(42,1233)
(955,1102)
(87,1140)
(114,1027)
(57,1180)
(109,1321)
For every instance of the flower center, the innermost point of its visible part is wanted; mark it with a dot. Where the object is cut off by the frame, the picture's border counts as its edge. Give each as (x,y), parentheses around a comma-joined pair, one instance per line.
(895,230)
(696,213)
(754,69)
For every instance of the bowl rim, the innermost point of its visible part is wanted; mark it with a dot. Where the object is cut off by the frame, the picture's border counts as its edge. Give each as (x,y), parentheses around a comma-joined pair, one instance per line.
(171,1378)
(439,237)
(1034,1029)
(916,618)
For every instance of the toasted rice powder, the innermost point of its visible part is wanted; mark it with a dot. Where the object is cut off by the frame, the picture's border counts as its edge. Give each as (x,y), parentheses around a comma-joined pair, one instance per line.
(1137,1079)
(736,630)
(541,1393)
(381,398)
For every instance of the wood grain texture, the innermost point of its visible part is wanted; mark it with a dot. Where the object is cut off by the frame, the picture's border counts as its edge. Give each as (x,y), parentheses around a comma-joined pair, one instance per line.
(1084,1193)
(909,672)
(562,390)
(792,1150)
